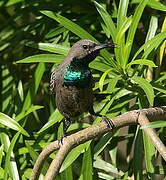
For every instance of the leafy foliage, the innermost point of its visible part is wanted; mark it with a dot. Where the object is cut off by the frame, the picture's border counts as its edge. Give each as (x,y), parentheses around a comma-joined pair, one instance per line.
(35,36)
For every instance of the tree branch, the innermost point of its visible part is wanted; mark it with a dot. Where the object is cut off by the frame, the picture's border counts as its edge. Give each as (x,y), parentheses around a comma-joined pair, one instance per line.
(133,117)
(143,120)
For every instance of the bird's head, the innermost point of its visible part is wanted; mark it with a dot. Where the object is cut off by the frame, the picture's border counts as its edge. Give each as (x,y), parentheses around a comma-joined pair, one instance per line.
(85,51)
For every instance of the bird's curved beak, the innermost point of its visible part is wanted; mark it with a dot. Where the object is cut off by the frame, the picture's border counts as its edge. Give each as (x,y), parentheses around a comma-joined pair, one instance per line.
(102,46)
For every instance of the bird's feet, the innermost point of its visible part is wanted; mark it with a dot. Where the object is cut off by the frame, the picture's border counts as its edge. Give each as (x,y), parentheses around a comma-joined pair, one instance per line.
(109,122)
(60,141)
(66,123)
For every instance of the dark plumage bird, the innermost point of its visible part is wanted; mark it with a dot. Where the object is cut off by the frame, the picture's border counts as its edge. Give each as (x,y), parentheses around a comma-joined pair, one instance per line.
(72,81)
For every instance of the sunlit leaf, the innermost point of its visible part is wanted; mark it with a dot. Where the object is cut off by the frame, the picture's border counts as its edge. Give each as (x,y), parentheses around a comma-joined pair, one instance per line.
(150,45)
(153,4)
(13,170)
(49,58)
(73,155)
(136,18)
(87,167)
(11,123)
(157,124)
(101,82)
(55,117)
(142,62)
(146,86)
(11,166)
(25,113)
(107,19)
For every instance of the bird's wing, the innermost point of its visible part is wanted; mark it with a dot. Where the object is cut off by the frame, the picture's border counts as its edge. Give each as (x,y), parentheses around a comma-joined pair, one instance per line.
(53,79)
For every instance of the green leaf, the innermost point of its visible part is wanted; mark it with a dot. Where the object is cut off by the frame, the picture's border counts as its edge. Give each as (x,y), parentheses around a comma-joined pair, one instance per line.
(152,28)
(50,47)
(157,5)
(149,153)
(108,167)
(13,171)
(159,87)
(150,45)
(55,117)
(122,12)
(49,58)
(12,2)
(68,24)
(67,174)
(157,124)
(101,81)
(153,4)
(146,86)
(72,156)
(124,27)
(25,113)
(132,30)
(12,166)
(99,66)
(11,123)
(138,156)
(34,155)
(105,176)
(142,62)
(120,51)
(87,169)
(7,87)
(112,84)
(104,110)
(103,142)
(20,90)
(107,20)
(54,32)
(161,53)
(35,85)
(1,154)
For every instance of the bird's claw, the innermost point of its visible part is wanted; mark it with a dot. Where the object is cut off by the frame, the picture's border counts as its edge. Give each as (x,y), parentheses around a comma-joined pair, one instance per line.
(109,122)
(60,141)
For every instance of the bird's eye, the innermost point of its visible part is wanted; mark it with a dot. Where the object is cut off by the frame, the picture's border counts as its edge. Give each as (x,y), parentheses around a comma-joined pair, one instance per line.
(85,46)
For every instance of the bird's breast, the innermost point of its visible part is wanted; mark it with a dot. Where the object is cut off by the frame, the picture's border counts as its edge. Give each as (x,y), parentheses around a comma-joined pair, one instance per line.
(73,101)
(80,78)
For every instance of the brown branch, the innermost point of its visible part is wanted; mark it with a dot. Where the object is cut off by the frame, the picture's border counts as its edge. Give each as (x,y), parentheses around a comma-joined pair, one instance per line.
(153,114)
(42,157)
(143,120)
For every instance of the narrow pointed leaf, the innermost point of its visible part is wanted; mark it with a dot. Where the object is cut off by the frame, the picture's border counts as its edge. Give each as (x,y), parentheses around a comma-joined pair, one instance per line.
(101,82)
(72,156)
(151,45)
(107,19)
(13,170)
(69,25)
(157,124)
(136,18)
(147,87)
(49,58)
(142,62)
(11,123)
(54,118)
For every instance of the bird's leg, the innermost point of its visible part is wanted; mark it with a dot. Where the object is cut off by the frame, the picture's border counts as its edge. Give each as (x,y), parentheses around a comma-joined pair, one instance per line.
(66,123)
(104,118)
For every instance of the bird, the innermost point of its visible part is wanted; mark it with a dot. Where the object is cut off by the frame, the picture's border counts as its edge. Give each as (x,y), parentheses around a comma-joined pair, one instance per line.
(72,82)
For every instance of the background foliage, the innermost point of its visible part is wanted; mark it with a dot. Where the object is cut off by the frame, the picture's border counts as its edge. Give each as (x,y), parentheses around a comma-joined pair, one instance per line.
(39,35)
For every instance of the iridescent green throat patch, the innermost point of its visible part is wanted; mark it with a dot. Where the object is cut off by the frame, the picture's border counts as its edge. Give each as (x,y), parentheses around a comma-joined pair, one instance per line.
(77,76)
